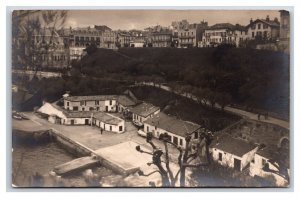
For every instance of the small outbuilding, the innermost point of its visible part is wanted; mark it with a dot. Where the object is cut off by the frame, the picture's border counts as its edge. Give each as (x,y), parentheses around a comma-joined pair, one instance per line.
(232,152)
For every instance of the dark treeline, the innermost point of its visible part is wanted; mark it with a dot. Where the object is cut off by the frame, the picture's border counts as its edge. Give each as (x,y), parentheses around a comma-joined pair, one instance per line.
(252,78)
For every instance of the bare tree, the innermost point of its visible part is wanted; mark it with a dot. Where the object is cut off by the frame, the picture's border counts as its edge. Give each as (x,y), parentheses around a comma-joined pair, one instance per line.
(28,27)
(186,158)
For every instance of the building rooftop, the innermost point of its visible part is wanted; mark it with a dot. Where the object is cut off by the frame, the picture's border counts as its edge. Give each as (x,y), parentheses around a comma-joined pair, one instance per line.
(268,151)
(272,23)
(222,26)
(87,98)
(172,124)
(232,145)
(107,118)
(144,109)
(126,101)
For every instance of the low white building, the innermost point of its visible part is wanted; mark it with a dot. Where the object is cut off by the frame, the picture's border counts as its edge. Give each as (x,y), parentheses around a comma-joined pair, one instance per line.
(102,103)
(261,159)
(175,128)
(108,122)
(232,152)
(124,103)
(143,111)
(105,121)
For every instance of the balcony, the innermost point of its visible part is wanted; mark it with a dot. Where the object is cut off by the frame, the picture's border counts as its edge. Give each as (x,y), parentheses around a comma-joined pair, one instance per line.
(186,36)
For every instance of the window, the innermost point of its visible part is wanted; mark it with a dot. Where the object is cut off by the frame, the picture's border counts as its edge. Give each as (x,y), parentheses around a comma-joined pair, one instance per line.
(83,109)
(75,108)
(147,128)
(97,102)
(252,34)
(110,128)
(120,128)
(220,156)
(196,135)
(82,103)
(180,142)
(68,103)
(265,26)
(110,102)
(258,26)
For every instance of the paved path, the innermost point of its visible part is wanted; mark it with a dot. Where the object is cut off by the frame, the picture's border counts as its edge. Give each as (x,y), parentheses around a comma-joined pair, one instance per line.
(89,136)
(243,113)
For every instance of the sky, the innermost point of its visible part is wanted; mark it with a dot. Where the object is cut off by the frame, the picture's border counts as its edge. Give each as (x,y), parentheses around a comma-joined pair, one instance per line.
(140,19)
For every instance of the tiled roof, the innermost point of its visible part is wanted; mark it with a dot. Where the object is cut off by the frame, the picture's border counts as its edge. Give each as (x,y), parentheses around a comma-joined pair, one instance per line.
(267,152)
(172,124)
(87,98)
(144,109)
(222,26)
(232,145)
(272,23)
(125,101)
(107,118)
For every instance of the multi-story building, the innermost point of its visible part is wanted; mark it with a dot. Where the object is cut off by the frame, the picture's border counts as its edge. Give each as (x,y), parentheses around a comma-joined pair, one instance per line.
(123,39)
(107,103)
(263,29)
(80,38)
(49,49)
(161,37)
(139,38)
(190,35)
(221,33)
(109,39)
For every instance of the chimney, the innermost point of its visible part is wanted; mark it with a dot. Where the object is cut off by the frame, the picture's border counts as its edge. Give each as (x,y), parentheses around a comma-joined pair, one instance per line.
(251,20)
(268,18)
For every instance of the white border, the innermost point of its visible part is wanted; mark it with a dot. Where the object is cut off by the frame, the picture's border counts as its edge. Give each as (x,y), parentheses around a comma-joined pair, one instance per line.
(186,4)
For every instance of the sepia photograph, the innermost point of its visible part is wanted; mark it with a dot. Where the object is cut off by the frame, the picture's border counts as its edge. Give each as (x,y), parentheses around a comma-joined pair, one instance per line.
(150,98)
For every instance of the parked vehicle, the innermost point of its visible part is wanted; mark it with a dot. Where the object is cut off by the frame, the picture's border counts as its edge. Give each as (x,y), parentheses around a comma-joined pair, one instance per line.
(137,123)
(16,115)
(142,133)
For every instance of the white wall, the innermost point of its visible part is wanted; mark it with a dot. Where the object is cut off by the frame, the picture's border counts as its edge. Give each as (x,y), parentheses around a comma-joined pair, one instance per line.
(156,133)
(142,119)
(228,158)
(256,168)
(85,105)
(77,121)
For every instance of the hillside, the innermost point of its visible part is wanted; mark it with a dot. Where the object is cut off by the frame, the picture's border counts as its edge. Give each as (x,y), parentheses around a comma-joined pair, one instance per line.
(256,79)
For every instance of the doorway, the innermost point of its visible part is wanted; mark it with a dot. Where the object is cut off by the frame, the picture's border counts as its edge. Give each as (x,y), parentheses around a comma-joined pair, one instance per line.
(237,164)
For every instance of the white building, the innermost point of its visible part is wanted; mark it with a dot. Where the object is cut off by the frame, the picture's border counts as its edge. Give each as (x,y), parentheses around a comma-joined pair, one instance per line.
(143,111)
(105,103)
(223,33)
(105,121)
(264,29)
(175,128)
(261,159)
(231,152)
(124,103)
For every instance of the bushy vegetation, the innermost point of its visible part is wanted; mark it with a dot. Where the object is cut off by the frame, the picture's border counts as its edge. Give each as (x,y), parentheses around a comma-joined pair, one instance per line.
(252,78)
(184,108)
